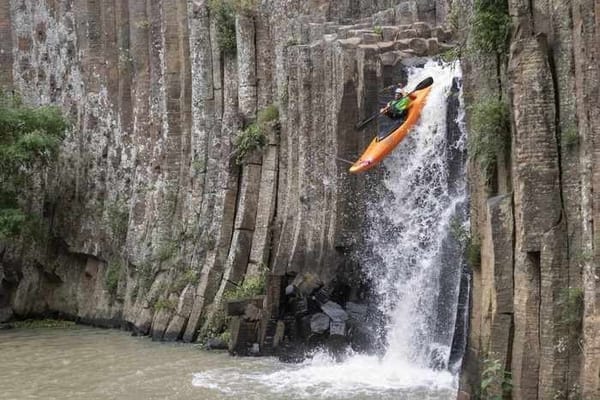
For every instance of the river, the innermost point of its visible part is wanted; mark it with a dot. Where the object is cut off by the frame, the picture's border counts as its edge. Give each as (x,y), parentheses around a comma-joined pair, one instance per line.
(93,364)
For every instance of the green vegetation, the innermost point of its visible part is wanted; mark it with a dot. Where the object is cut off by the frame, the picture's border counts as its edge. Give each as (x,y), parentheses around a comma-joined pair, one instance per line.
(224,16)
(456,15)
(251,287)
(474,253)
(164,304)
(188,277)
(450,55)
(292,41)
(225,336)
(378,30)
(111,278)
(570,137)
(490,26)
(254,137)
(469,246)
(43,323)
(198,167)
(142,24)
(118,219)
(570,301)
(490,133)
(269,114)
(29,141)
(496,383)
(167,250)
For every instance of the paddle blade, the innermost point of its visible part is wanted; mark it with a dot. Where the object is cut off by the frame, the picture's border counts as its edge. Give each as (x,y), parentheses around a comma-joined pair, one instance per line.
(423,84)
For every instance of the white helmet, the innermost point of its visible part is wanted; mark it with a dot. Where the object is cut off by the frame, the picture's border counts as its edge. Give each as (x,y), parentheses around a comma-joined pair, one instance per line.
(398,91)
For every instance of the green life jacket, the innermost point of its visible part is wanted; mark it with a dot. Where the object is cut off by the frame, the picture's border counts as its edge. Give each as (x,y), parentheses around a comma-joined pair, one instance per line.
(401,105)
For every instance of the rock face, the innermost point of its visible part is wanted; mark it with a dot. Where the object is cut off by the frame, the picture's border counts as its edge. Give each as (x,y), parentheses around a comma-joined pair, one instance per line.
(535,295)
(151,218)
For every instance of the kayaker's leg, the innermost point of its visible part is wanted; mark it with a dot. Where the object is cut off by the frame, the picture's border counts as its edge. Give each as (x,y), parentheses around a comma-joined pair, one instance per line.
(402,116)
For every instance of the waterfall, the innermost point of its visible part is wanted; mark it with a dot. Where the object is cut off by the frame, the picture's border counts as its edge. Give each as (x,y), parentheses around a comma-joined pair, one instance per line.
(414,258)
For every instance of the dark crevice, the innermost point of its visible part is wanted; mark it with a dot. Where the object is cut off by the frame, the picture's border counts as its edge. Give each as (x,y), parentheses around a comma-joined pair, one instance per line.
(532,18)
(534,257)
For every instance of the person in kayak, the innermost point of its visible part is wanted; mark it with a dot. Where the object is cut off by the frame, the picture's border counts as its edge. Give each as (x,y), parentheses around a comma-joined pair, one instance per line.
(398,108)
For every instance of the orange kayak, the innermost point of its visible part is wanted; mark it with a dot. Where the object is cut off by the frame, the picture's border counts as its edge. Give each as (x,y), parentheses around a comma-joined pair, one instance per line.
(379,148)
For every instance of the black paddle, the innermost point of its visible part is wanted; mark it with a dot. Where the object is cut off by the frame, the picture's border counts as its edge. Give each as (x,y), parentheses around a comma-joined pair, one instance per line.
(422,85)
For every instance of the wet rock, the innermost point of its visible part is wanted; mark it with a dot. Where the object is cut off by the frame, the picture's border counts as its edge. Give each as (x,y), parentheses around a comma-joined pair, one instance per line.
(419,45)
(238,307)
(433,46)
(370,38)
(389,33)
(441,34)
(437,358)
(6,313)
(322,295)
(423,29)
(406,34)
(307,283)
(334,311)
(216,343)
(252,313)
(319,323)
(384,17)
(357,312)
(337,328)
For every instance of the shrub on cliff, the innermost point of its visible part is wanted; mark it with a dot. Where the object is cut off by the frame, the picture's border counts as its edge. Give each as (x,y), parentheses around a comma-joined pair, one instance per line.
(251,286)
(490,26)
(29,141)
(224,15)
(490,133)
(254,137)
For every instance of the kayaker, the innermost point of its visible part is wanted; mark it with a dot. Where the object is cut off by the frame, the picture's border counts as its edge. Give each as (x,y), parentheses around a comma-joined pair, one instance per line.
(398,108)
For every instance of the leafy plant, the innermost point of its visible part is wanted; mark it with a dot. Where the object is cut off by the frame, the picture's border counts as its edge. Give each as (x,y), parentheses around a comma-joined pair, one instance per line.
(378,30)
(111,278)
(268,114)
(450,55)
(29,141)
(225,336)
(250,287)
(495,381)
(43,323)
(188,277)
(164,304)
(254,138)
(224,15)
(490,26)
(490,133)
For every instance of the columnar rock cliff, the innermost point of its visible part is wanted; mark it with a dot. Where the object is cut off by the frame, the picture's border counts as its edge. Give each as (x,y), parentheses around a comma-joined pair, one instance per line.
(535,302)
(151,218)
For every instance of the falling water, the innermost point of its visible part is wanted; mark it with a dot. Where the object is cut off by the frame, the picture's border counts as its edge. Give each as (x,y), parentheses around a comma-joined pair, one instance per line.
(414,258)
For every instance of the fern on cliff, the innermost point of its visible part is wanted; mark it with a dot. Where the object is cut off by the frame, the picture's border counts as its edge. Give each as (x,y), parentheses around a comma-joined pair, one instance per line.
(29,141)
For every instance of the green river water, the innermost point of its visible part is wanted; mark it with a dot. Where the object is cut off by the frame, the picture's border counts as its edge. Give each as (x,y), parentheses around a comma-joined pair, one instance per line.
(88,363)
